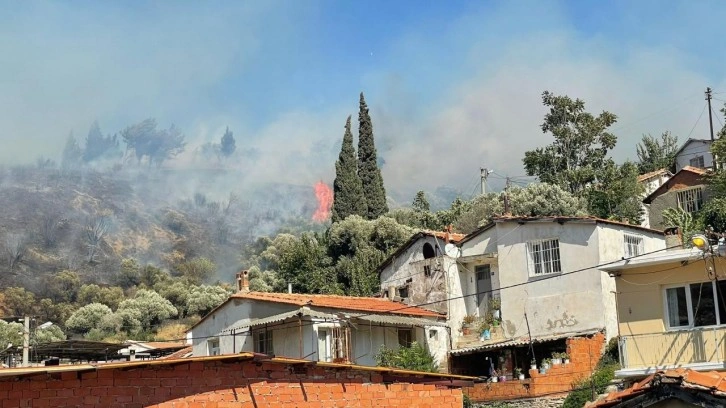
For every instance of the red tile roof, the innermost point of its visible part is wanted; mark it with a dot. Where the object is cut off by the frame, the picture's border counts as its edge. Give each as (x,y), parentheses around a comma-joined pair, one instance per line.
(712,382)
(183,353)
(652,174)
(360,304)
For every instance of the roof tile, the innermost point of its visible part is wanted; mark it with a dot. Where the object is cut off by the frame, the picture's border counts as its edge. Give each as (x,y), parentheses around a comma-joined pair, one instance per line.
(684,378)
(364,304)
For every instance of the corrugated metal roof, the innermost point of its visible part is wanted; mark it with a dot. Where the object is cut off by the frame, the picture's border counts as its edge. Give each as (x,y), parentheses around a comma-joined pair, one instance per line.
(400,320)
(520,341)
(303,311)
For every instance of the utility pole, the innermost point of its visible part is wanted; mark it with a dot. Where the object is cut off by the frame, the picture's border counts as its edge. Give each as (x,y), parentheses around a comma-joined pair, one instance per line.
(710,118)
(26,341)
(484,173)
(507,210)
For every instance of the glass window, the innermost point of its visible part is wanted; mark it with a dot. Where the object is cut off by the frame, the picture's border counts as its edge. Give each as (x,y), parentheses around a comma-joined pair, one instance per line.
(405,337)
(263,342)
(544,257)
(633,245)
(696,305)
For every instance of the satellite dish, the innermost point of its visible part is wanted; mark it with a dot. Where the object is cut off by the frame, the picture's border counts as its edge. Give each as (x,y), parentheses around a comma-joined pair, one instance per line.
(452,251)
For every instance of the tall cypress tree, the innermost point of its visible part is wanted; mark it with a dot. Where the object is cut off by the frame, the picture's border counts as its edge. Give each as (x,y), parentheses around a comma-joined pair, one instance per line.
(348,198)
(368,171)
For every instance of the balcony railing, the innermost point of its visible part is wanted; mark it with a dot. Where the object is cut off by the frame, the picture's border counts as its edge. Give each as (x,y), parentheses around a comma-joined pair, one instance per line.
(673,348)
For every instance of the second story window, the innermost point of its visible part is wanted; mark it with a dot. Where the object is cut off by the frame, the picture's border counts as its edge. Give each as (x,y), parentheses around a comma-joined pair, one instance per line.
(695,305)
(690,200)
(543,257)
(697,162)
(633,245)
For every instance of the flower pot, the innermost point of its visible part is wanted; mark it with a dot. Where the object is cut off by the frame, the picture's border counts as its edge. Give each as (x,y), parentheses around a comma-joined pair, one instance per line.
(503,378)
(556,361)
(533,367)
(485,335)
(521,377)
(495,379)
(495,323)
(567,361)
(543,370)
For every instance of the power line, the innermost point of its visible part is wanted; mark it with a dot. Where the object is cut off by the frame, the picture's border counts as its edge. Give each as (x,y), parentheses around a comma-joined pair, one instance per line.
(697,120)
(553,276)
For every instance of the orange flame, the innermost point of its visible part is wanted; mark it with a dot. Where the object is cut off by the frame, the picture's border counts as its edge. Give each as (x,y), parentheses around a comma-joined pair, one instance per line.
(324,194)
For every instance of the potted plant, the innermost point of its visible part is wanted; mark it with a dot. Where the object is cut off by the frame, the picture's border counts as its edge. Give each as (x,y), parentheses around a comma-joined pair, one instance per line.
(466,324)
(495,305)
(566,357)
(518,372)
(484,330)
(556,359)
(545,366)
(533,364)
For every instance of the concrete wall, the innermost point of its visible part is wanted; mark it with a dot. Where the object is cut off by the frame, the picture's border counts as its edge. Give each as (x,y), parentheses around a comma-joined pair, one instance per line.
(641,308)
(666,200)
(694,149)
(223,383)
(650,186)
(564,304)
(232,314)
(410,265)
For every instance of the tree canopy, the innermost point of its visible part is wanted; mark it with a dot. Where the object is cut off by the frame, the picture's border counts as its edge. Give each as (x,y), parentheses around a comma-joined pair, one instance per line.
(368,171)
(579,153)
(654,154)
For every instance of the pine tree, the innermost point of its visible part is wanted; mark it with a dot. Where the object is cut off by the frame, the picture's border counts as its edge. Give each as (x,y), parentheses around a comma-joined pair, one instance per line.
(420,203)
(227,145)
(368,171)
(348,198)
(72,153)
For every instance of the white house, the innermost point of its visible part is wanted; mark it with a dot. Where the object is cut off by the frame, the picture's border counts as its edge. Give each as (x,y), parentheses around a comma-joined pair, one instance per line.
(651,181)
(541,271)
(695,153)
(316,327)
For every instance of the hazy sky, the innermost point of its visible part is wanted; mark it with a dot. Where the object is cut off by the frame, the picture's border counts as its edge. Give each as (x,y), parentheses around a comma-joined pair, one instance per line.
(452,85)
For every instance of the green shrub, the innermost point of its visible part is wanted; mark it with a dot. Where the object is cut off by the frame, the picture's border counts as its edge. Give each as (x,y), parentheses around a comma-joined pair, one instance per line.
(415,357)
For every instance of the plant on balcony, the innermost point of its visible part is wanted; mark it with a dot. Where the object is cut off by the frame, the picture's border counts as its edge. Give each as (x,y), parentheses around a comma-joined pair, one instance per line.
(484,330)
(518,372)
(495,305)
(533,364)
(557,358)
(566,358)
(467,323)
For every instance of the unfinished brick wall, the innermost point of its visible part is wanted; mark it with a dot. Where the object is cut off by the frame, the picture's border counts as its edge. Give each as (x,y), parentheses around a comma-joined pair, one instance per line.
(218,384)
(584,354)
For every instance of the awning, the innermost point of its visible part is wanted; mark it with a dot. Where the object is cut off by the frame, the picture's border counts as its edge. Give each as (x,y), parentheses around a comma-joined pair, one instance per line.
(521,341)
(400,320)
(302,312)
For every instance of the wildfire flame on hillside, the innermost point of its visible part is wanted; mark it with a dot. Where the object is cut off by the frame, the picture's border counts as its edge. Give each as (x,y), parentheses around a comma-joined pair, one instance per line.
(324,194)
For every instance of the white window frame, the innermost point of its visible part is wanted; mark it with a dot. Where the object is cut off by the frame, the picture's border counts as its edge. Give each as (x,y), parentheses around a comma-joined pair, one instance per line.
(335,347)
(213,348)
(633,245)
(547,267)
(720,321)
(691,199)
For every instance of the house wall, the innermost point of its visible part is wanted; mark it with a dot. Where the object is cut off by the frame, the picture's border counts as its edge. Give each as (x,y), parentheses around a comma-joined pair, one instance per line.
(224,383)
(650,186)
(612,248)
(669,199)
(565,304)
(693,149)
(641,308)
(422,289)
(232,314)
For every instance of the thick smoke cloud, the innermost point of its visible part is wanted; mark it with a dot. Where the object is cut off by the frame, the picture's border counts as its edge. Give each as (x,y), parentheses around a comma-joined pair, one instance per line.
(446,96)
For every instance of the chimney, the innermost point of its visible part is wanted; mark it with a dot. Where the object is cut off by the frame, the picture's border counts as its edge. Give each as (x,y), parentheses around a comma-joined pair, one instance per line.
(673,238)
(243,281)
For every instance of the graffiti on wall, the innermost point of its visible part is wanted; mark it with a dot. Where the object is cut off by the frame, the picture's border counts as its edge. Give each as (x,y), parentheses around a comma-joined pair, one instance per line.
(567,320)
